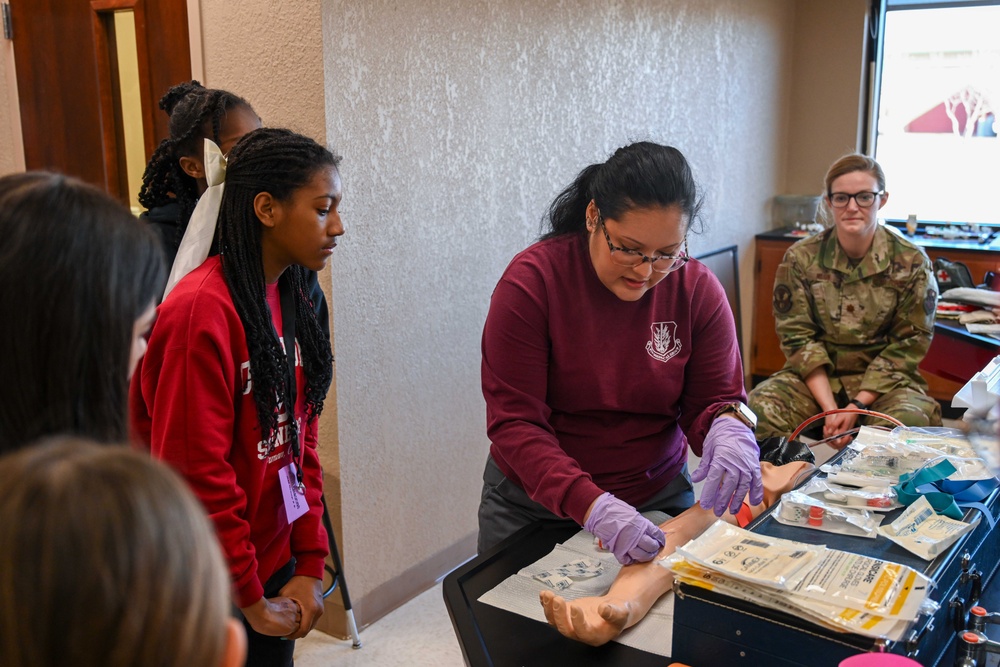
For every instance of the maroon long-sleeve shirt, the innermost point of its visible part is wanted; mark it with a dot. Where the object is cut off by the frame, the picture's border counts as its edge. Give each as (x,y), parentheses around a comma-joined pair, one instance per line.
(586,393)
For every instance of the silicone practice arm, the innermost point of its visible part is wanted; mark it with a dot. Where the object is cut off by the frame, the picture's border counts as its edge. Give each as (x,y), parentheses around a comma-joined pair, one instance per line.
(597,620)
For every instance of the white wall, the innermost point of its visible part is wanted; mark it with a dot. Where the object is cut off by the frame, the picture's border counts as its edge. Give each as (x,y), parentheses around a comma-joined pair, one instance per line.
(271,54)
(826,90)
(459,121)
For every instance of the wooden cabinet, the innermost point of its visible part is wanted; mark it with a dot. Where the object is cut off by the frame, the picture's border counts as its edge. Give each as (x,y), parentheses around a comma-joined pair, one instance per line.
(766,357)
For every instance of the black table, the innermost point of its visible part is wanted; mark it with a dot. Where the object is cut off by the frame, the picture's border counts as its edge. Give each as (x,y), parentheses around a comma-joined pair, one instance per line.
(490,636)
(955,356)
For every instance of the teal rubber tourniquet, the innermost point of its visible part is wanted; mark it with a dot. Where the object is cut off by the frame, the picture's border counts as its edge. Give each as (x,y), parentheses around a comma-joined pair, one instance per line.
(945,496)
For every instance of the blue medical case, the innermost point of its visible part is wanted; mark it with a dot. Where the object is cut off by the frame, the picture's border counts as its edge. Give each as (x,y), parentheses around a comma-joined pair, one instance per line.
(714,630)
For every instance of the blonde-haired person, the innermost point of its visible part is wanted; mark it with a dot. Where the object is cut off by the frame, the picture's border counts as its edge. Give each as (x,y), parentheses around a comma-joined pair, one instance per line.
(854,312)
(107,559)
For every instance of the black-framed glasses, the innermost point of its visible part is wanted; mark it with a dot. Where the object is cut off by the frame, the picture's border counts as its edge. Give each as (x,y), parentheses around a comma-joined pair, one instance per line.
(633,258)
(864,199)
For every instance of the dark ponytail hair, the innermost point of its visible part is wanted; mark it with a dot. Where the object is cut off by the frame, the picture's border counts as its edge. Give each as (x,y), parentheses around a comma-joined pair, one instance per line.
(190,106)
(278,162)
(640,175)
(77,270)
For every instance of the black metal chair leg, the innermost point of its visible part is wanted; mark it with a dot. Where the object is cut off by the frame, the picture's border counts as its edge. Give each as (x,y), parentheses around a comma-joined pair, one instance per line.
(337,572)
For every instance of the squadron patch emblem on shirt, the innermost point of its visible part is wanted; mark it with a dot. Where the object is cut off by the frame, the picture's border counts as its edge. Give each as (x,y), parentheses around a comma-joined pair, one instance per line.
(930,301)
(664,344)
(782,299)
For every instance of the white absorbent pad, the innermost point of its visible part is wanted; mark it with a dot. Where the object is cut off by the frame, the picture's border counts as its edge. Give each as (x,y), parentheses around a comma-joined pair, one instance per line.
(518,593)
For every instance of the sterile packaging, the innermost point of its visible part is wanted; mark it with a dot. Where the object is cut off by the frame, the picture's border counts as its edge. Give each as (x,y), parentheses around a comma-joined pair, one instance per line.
(561,578)
(865,584)
(934,443)
(919,529)
(946,440)
(799,509)
(758,559)
(878,458)
(822,575)
(826,615)
(871,498)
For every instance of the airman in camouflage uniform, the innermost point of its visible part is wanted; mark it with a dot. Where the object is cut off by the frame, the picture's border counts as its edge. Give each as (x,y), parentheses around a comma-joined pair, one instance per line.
(868,322)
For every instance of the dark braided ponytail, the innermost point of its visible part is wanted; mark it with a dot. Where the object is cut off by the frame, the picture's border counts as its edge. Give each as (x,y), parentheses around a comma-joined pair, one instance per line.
(192,109)
(278,162)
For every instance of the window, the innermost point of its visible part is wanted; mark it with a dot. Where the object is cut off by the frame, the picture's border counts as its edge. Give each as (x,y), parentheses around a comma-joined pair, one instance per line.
(937,111)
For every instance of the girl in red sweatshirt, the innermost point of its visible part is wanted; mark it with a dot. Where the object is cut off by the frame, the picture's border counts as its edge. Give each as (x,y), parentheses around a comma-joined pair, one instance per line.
(235,344)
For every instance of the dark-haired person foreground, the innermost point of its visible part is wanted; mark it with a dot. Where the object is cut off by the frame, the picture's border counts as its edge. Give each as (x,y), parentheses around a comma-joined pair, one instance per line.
(212,395)
(79,281)
(606,353)
(107,560)
(175,177)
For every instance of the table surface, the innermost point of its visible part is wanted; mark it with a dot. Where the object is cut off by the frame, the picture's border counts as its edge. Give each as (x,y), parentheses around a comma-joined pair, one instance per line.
(492,636)
(953,329)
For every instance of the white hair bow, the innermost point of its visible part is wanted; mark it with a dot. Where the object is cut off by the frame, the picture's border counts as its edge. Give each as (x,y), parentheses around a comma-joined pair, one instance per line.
(197,240)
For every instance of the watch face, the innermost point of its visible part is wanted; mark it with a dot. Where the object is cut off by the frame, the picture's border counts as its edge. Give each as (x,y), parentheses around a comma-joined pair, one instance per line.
(745,414)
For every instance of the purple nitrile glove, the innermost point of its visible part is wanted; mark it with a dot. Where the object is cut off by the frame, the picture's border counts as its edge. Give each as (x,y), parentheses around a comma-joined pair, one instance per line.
(730,466)
(622,530)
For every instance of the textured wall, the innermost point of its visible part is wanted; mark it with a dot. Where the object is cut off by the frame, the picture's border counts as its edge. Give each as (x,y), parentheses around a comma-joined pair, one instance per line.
(11,147)
(271,53)
(826,89)
(458,122)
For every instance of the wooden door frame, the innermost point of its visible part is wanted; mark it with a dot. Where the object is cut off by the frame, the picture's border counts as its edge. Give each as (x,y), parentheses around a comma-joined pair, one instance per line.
(108,94)
(63,59)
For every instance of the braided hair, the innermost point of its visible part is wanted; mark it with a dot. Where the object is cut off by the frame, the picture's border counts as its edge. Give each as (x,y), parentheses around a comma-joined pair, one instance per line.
(278,162)
(191,107)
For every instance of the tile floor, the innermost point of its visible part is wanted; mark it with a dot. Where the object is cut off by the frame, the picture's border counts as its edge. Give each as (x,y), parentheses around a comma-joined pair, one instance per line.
(418,634)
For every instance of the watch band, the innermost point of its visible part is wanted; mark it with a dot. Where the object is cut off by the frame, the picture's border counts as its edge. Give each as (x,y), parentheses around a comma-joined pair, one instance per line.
(742,412)
(858,404)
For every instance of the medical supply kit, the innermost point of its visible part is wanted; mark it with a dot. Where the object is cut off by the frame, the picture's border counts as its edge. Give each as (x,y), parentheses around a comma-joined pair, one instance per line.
(886,548)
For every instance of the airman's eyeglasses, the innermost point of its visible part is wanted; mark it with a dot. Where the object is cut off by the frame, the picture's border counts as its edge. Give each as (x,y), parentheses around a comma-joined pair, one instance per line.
(864,199)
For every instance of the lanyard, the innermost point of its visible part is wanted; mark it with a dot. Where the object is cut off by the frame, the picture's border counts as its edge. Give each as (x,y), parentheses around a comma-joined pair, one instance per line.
(288,334)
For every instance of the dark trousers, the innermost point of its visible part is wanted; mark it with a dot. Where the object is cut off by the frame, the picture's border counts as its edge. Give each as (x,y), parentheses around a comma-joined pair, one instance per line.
(505,508)
(264,650)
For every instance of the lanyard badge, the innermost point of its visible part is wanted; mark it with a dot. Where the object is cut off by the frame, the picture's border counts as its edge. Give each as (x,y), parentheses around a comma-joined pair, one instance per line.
(293,490)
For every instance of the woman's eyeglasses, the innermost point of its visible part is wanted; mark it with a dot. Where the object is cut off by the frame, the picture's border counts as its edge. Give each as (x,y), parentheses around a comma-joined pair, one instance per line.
(864,199)
(633,258)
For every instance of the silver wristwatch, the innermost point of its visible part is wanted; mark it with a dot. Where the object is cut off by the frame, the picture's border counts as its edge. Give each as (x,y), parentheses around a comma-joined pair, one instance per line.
(741,411)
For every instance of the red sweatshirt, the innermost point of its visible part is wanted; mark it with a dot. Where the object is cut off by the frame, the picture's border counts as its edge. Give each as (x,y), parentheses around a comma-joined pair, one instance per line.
(192,404)
(586,393)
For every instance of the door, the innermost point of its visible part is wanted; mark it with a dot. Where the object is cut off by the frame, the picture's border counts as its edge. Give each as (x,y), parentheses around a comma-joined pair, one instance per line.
(70,82)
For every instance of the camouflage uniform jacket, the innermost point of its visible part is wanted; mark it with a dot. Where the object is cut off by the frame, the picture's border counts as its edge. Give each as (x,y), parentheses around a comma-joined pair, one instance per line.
(873,320)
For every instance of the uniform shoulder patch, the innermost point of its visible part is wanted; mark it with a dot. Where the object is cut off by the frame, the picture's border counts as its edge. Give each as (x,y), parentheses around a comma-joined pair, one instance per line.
(930,301)
(782,299)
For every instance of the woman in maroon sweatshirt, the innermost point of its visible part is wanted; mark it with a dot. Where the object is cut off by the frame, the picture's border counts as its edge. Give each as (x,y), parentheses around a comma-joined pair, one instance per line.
(606,353)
